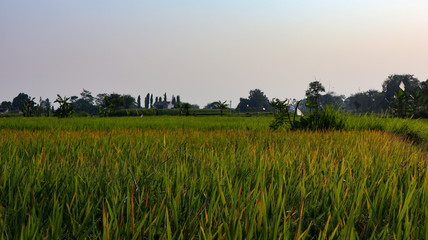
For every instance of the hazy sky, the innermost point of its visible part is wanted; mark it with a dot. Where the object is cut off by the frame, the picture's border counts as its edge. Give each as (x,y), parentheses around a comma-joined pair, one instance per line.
(206,51)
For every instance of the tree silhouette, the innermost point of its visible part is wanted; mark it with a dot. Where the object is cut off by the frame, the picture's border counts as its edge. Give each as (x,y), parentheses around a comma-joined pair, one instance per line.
(186,107)
(28,107)
(313,95)
(18,101)
(222,106)
(65,108)
(139,101)
(256,101)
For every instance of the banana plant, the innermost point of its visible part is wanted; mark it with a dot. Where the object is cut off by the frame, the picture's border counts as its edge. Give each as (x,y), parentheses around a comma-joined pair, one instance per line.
(222,106)
(28,107)
(65,108)
(282,113)
(105,108)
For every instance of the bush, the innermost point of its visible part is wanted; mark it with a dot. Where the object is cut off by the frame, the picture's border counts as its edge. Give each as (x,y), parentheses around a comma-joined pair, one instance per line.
(328,118)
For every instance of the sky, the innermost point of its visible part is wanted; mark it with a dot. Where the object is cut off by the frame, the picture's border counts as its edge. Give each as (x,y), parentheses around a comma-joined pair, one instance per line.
(207,51)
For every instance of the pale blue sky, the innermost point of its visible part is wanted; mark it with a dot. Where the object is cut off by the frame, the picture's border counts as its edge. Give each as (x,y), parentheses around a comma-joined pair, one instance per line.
(208,50)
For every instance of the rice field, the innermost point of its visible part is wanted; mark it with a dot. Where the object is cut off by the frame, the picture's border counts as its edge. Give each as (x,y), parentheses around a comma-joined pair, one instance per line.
(207,178)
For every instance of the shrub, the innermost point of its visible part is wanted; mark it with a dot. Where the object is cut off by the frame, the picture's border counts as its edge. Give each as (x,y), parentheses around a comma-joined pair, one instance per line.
(282,114)
(328,118)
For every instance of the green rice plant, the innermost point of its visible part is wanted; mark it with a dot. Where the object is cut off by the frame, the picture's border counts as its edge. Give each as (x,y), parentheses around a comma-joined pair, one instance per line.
(208,182)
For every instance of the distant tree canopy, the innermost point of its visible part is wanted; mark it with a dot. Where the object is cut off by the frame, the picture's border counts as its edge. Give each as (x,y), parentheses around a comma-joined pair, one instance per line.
(85,103)
(128,101)
(375,101)
(257,101)
(116,101)
(392,84)
(336,101)
(369,101)
(212,105)
(401,95)
(18,101)
(6,105)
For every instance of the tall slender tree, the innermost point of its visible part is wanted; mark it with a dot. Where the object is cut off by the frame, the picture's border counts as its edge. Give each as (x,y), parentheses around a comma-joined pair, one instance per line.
(178,103)
(139,101)
(173,101)
(147,101)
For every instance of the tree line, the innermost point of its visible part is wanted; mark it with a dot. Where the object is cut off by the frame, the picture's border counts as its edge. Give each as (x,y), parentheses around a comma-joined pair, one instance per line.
(102,104)
(401,95)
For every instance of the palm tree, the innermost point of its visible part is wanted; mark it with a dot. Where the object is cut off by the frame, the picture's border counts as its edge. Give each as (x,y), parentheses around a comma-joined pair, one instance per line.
(222,106)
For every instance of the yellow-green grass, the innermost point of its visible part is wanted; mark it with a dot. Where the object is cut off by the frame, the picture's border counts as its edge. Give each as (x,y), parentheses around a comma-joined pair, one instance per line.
(417,129)
(150,122)
(186,183)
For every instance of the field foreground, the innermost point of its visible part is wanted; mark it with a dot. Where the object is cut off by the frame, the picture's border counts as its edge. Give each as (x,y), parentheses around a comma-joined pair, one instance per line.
(203,184)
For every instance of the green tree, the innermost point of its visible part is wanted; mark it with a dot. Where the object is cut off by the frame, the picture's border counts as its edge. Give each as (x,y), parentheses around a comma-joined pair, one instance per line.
(116,100)
(407,103)
(392,85)
(100,99)
(256,101)
(178,102)
(65,108)
(147,101)
(18,101)
(128,101)
(6,105)
(73,99)
(105,107)
(313,95)
(28,107)
(87,96)
(173,100)
(151,101)
(186,107)
(85,104)
(368,101)
(139,102)
(331,99)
